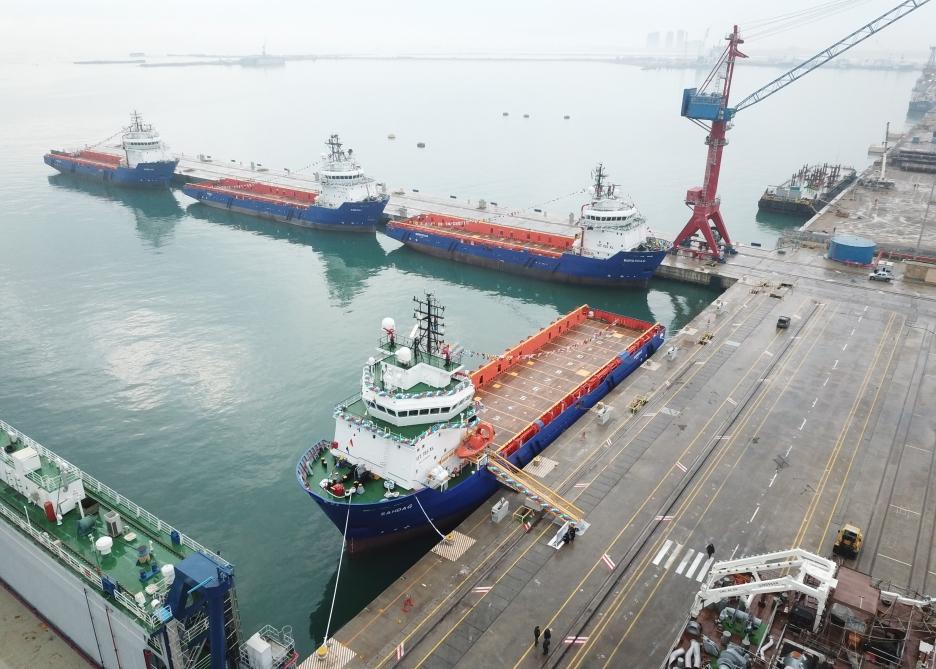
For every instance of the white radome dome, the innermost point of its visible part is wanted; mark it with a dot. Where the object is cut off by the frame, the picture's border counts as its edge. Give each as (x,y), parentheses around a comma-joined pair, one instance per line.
(404,356)
(388,324)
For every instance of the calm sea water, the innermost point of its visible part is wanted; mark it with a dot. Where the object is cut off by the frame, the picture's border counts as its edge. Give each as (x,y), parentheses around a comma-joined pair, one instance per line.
(187,356)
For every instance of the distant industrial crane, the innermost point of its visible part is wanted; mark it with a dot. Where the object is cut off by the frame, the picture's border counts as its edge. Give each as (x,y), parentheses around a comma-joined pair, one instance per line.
(709,102)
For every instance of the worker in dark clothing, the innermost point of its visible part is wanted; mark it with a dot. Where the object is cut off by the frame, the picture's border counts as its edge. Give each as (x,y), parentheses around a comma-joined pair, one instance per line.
(572,531)
(710,549)
(547,635)
(536,635)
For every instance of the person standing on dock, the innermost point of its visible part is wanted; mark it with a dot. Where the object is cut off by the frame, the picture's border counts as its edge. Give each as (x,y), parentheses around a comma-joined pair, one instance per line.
(547,635)
(536,635)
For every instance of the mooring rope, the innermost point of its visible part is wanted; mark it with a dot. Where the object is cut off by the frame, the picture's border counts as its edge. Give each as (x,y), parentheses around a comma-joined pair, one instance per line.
(428,518)
(344,538)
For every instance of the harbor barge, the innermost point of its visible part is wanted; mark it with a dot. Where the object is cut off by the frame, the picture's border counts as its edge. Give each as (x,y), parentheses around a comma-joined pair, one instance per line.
(807,191)
(125,588)
(380,481)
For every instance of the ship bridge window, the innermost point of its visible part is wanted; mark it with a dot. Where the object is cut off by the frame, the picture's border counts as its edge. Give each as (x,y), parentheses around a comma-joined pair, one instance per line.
(423,412)
(434,410)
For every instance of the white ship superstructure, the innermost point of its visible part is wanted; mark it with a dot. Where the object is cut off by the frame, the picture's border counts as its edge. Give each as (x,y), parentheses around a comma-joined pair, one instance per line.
(610,224)
(413,413)
(142,144)
(342,178)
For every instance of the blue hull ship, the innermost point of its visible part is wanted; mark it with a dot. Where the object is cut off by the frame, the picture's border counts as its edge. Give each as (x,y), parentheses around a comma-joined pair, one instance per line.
(624,268)
(407,505)
(284,206)
(146,175)
(610,245)
(347,200)
(141,160)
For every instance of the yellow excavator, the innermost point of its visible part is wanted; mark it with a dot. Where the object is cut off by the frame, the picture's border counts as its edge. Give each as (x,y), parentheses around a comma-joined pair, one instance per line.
(848,541)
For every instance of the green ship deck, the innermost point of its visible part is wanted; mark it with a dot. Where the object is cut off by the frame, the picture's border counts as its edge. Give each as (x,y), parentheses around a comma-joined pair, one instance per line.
(62,541)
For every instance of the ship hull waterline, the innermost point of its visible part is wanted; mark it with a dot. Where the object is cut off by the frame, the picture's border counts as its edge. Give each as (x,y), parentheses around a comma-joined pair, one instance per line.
(348,217)
(144,175)
(627,268)
(375,525)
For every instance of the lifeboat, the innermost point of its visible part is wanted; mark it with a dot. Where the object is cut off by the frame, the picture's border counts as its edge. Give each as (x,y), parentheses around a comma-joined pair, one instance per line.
(476,441)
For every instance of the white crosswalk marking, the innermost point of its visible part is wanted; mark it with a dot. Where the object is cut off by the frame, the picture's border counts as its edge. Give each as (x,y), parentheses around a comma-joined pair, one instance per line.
(705,568)
(659,556)
(673,556)
(685,561)
(691,563)
(695,563)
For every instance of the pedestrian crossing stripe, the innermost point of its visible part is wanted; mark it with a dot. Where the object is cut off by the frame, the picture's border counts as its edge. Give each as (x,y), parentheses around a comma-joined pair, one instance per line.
(608,561)
(527,527)
(482,589)
(580,485)
(663,519)
(579,640)
(400,651)
(681,467)
(689,563)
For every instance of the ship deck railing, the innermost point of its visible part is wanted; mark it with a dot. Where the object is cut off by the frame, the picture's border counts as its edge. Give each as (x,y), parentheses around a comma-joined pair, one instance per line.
(110,496)
(355,407)
(54,546)
(374,490)
(284,646)
(439,361)
(479,238)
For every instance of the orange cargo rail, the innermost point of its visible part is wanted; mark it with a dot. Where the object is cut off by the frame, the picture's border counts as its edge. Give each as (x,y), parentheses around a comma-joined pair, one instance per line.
(98,157)
(260,191)
(491,230)
(487,374)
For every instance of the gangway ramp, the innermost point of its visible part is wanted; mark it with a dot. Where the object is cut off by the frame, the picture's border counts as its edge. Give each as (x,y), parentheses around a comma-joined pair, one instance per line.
(548,500)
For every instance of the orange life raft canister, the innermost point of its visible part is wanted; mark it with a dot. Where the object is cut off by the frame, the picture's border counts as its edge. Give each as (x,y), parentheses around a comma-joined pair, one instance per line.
(476,440)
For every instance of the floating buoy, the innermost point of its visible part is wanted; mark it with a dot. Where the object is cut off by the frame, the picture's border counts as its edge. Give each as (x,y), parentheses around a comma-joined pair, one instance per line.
(566,117)
(506,113)
(392,136)
(420,145)
(526,116)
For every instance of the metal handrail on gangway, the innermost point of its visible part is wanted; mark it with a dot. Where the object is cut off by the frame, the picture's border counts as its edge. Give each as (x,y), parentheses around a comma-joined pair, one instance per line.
(547,499)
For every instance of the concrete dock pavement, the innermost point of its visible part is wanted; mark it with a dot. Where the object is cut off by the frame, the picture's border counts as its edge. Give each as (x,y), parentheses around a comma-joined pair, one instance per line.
(27,641)
(758,438)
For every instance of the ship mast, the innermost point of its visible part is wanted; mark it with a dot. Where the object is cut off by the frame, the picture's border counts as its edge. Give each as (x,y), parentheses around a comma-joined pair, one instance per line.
(334,146)
(599,181)
(431,324)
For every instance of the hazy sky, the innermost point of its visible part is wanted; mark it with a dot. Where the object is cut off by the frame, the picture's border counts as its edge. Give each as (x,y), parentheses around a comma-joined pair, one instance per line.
(37,30)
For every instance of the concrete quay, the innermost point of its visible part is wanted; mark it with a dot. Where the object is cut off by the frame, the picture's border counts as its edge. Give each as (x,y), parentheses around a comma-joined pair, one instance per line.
(26,640)
(895,217)
(752,438)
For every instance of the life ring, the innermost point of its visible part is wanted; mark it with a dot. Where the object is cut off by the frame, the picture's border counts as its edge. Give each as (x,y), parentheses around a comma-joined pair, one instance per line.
(475,440)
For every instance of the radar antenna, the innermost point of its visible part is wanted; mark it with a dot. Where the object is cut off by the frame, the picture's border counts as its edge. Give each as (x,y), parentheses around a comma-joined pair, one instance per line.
(430,322)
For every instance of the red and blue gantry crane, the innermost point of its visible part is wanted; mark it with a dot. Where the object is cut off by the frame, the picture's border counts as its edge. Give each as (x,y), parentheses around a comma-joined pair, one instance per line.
(707,106)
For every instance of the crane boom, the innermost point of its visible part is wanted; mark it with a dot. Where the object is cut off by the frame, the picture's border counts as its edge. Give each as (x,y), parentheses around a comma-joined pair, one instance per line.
(827,54)
(708,103)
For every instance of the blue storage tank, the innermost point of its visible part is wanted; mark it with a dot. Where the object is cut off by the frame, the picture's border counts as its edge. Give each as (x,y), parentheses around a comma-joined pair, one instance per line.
(852,249)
